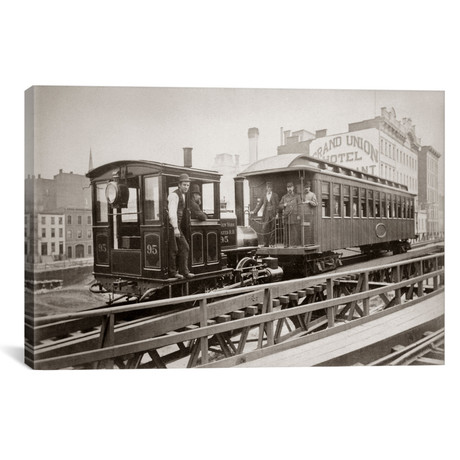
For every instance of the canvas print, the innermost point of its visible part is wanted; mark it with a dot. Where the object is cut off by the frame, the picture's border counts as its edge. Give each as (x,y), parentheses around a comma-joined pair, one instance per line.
(233,227)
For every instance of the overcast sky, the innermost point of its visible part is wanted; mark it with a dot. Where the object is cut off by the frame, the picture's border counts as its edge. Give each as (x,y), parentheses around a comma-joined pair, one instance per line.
(156,123)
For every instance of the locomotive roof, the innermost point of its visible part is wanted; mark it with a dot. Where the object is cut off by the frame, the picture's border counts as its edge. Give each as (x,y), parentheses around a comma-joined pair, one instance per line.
(148,167)
(299,161)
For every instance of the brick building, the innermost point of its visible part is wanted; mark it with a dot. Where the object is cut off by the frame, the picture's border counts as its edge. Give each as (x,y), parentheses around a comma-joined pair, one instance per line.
(57,218)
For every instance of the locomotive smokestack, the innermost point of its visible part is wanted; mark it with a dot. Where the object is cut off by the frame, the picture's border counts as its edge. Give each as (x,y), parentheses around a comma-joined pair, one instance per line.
(253,135)
(187,157)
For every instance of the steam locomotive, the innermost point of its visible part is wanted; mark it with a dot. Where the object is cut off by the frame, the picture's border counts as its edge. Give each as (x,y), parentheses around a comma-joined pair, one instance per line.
(130,224)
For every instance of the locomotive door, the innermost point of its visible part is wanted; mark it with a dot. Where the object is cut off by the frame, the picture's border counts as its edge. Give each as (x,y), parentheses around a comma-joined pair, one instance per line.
(125,230)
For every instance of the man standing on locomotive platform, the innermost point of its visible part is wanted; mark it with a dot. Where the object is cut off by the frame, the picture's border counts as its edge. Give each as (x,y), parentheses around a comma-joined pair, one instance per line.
(290,208)
(270,202)
(179,220)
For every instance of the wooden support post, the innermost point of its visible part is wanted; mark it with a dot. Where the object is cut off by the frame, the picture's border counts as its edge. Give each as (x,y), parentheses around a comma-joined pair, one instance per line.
(330,311)
(435,278)
(106,339)
(249,311)
(366,289)
(420,283)
(156,358)
(268,308)
(398,279)
(204,323)
(221,338)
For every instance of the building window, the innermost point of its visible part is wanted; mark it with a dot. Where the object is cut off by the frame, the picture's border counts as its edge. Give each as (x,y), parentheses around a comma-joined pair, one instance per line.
(355,202)
(152,198)
(60,233)
(44,249)
(79,233)
(69,220)
(53,232)
(88,234)
(61,248)
(79,220)
(370,200)
(69,234)
(60,220)
(69,252)
(43,220)
(43,232)
(325,200)
(89,220)
(52,220)
(53,248)
(363,203)
(101,203)
(346,201)
(90,249)
(377,204)
(336,188)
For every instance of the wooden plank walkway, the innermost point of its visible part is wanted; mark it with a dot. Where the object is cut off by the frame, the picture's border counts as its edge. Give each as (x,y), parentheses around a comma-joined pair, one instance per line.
(342,343)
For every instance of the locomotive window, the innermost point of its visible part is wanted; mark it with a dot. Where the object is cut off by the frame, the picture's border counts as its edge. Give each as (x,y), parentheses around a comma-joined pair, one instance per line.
(363,203)
(130,214)
(346,201)
(377,204)
(355,202)
(208,199)
(336,189)
(370,199)
(152,198)
(101,203)
(325,200)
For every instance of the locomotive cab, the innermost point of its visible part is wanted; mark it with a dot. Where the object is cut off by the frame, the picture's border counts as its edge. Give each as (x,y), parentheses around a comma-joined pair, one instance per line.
(131,225)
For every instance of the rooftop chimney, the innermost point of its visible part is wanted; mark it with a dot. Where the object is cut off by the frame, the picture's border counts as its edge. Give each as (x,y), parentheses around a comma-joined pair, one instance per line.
(321,133)
(187,157)
(253,135)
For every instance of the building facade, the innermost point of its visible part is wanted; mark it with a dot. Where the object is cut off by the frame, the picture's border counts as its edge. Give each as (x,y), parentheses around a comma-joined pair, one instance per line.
(57,222)
(78,231)
(430,195)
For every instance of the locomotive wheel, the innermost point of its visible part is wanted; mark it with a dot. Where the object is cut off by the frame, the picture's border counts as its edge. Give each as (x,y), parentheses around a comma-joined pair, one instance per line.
(245,263)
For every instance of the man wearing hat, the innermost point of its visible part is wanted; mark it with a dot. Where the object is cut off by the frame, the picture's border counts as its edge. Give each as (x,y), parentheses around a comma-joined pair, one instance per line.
(309,196)
(195,203)
(179,220)
(290,208)
(270,202)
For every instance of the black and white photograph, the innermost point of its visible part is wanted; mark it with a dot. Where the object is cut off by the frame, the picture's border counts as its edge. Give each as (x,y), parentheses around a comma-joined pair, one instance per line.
(235,227)
(163,229)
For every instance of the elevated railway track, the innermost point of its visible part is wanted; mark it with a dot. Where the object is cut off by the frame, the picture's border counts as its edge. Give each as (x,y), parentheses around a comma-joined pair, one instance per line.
(225,328)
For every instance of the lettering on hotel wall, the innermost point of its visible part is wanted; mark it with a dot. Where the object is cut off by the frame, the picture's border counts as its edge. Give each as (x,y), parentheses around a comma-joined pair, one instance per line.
(352,150)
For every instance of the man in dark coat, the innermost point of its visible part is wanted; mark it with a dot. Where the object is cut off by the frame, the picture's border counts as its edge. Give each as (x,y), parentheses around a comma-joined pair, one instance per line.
(270,202)
(195,203)
(179,224)
(290,208)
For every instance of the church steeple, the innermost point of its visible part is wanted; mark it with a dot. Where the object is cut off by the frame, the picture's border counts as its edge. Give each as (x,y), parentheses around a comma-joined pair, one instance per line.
(90,167)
